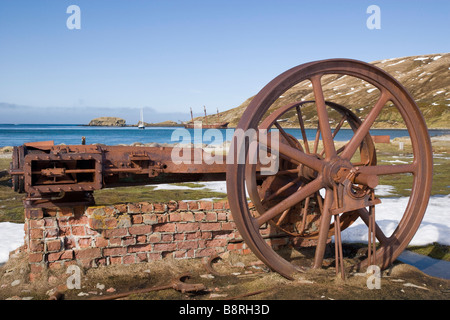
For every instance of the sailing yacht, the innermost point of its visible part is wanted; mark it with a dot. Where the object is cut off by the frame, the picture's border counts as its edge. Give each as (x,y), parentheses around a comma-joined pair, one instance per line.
(141,124)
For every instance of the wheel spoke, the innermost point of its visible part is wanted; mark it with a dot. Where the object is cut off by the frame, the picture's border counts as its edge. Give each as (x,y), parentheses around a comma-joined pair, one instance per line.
(388,169)
(281,190)
(316,141)
(289,152)
(338,127)
(335,131)
(363,130)
(324,227)
(338,151)
(305,213)
(302,128)
(284,157)
(290,201)
(287,172)
(285,135)
(283,216)
(324,124)
(364,214)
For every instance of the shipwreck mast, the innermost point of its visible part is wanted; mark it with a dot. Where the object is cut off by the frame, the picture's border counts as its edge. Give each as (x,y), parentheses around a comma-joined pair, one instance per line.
(206,119)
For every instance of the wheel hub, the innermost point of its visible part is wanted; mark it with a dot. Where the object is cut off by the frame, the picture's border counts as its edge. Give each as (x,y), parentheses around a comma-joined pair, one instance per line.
(335,171)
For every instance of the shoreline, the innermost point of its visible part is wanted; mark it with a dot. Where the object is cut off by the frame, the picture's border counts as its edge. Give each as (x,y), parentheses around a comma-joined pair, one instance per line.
(234,127)
(132,125)
(181,125)
(4,151)
(161,125)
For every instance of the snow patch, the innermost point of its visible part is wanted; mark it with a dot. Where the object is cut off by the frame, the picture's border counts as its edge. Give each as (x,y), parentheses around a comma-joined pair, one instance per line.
(11,237)
(435,226)
(390,65)
(384,190)
(395,161)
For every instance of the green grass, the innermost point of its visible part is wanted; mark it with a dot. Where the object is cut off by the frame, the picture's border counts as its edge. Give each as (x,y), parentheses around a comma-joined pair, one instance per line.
(188,184)
(435,250)
(11,206)
(147,193)
(403,182)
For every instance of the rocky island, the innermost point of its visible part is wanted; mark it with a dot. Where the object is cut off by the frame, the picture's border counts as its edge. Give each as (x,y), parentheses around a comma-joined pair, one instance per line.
(108,122)
(119,122)
(167,123)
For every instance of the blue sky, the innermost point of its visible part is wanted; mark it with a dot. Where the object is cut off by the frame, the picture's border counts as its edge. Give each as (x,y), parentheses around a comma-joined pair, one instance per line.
(168,56)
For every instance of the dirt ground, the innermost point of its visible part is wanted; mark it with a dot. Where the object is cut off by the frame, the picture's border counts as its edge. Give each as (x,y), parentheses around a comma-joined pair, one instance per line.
(229,277)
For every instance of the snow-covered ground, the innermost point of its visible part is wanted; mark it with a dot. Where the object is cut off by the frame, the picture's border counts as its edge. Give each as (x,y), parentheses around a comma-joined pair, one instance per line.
(11,237)
(435,226)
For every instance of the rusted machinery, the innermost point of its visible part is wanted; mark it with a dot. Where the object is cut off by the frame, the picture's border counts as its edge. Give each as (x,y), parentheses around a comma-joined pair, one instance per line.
(53,175)
(319,189)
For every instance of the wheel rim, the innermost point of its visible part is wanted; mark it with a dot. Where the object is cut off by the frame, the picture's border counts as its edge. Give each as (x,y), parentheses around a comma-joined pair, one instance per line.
(421,167)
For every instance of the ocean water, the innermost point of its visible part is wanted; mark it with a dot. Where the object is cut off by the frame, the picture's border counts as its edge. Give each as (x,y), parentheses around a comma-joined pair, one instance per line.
(16,135)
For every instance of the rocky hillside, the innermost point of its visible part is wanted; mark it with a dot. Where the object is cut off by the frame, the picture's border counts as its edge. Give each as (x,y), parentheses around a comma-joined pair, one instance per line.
(167,123)
(108,122)
(426,77)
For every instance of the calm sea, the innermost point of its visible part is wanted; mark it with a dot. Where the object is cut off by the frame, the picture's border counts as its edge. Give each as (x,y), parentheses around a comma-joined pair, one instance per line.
(17,134)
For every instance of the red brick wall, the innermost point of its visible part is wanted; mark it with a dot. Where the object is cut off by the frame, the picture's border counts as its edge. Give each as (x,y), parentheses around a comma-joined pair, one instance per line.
(132,233)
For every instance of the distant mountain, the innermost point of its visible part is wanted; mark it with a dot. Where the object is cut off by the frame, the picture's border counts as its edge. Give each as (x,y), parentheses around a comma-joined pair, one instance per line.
(426,77)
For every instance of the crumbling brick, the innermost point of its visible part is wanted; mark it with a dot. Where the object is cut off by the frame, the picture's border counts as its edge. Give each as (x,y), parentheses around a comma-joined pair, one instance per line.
(131,233)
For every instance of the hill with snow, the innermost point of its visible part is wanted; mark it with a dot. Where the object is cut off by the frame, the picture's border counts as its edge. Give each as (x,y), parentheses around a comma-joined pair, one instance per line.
(426,77)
